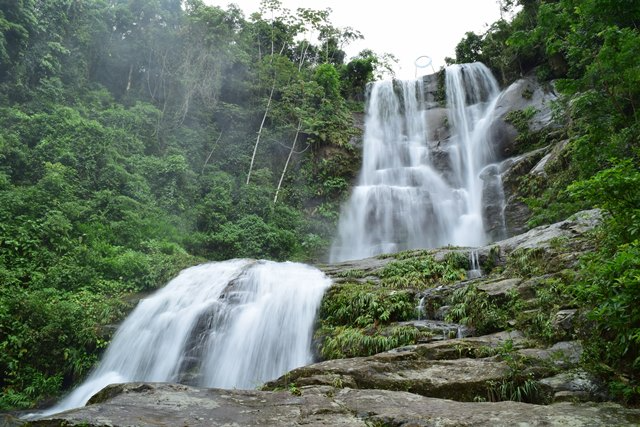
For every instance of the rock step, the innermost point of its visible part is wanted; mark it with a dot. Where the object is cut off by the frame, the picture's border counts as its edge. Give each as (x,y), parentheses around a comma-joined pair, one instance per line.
(146,405)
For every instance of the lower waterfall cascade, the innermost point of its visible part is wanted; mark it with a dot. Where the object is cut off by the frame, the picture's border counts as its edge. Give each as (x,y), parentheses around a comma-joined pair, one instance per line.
(231,324)
(403,199)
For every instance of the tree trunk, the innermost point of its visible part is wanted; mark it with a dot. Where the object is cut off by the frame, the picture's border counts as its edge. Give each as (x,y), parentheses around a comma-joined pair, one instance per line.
(215,144)
(264,118)
(129,79)
(286,164)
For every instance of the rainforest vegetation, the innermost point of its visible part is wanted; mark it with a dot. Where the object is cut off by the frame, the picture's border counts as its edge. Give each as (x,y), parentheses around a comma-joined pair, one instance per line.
(141,137)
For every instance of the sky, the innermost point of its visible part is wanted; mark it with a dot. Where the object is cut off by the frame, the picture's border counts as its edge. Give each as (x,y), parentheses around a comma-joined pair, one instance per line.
(407,29)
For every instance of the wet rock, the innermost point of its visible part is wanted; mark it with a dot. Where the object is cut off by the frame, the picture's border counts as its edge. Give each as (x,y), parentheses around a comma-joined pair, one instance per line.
(545,237)
(469,347)
(438,329)
(458,369)
(493,199)
(168,405)
(437,124)
(552,159)
(9,420)
(358,123)
(459,379)
(564,322)
(524,93)
(573,386)
(516,213)
(561,355)
(500,289)
(441,312)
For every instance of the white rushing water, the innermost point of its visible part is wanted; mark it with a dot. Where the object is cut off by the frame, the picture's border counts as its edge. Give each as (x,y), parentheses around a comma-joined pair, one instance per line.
(474,263)
(402,201)
(232,324)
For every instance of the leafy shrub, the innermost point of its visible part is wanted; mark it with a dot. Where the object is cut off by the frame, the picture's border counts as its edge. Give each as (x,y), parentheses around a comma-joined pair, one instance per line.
(354,342)
(422,271)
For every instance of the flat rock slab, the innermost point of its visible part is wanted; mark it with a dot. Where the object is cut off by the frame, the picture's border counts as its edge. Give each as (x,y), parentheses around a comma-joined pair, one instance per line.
(146,405)
(461,379)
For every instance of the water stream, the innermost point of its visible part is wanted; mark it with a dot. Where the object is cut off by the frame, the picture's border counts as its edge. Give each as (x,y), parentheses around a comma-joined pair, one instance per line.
(403,200)
(232,324)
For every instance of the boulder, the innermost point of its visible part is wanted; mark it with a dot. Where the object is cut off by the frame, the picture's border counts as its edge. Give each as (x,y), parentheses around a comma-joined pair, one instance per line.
(459,369)
(545,236)
(564,322)
(493,202)
(500,289)
(524,93)
(460,379)
(551,159)
(571,386)
(171,405)
(515,212)
(561,355)
(437,124)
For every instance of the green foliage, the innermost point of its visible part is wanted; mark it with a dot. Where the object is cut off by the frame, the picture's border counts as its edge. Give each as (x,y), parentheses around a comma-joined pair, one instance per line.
(518,386)
(353,317)
(473,307)
(60,325)
(423,271)
(615,190)
(608,286)
(524,391)
(354,342)
(527,262)
(363,305)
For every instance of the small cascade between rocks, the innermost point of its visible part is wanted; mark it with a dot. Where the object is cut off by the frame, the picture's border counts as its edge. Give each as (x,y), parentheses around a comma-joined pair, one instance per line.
(420,308)
(232,324)
(416,190)
(474,272)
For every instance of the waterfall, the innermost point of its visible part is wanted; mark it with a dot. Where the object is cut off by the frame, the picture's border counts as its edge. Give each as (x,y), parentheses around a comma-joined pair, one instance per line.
(232,324)
(403,199)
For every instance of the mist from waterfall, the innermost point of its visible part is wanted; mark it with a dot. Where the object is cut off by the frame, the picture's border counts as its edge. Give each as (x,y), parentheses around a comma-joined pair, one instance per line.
(232,324)
(402,199)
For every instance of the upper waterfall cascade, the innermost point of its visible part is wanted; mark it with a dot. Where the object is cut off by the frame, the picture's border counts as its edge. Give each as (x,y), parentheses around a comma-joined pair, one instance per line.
(403,200)
(232,324)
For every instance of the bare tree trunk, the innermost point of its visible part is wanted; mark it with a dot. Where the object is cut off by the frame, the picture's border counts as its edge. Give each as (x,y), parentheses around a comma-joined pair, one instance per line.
(215,144)
(304,54)
(286,164)
(129,79)
(264,118)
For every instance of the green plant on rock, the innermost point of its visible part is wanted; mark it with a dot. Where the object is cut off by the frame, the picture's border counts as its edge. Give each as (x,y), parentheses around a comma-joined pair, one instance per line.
(352,274)
(423,271)
(517,386)
(527,391)
(551,295)
(365,304)
(473,307)
(352,319)
(526,262)
(353,342)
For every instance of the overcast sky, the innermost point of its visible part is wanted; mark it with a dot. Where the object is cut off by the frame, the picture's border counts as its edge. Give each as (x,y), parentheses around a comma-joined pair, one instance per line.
(406,28)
